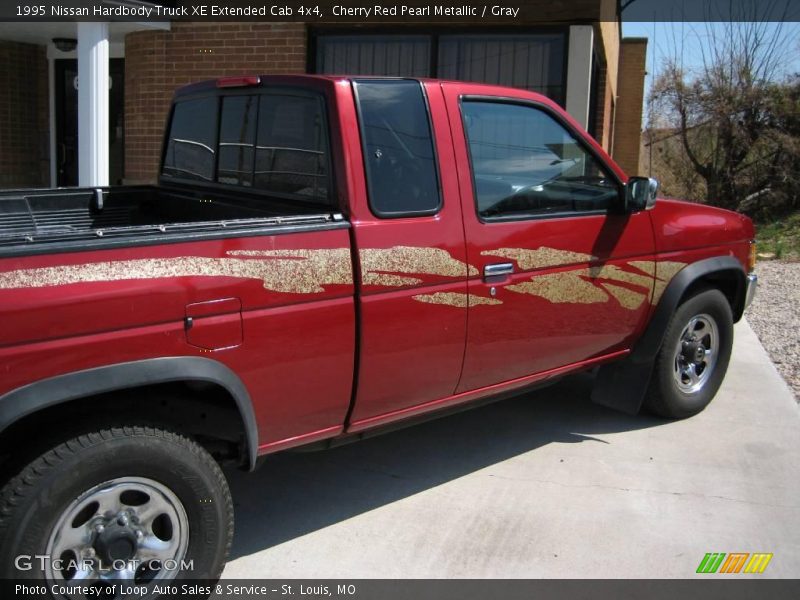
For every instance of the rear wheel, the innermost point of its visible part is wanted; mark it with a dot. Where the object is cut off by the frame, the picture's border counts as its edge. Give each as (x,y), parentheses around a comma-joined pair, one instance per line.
(131,503)
(693,358)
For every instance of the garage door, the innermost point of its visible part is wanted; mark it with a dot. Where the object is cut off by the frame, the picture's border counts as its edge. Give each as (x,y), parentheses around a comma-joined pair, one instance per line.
(535,62)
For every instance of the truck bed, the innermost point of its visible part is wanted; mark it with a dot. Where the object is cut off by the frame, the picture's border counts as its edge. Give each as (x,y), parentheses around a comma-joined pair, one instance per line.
(40,218)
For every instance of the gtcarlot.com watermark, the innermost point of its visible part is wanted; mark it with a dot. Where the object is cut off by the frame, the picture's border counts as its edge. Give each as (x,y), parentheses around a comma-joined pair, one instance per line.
(27,562)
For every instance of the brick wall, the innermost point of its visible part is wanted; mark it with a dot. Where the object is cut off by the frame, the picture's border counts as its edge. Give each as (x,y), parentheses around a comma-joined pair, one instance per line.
(630,99)
(158,62)
(602,108)
(24,122)
(607,118)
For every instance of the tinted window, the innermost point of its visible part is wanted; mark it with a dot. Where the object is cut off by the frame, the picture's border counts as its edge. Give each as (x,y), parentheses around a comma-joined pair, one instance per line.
(275,142)
(291,156)
(398,149)
(525,163)
(237,130)
(191,141)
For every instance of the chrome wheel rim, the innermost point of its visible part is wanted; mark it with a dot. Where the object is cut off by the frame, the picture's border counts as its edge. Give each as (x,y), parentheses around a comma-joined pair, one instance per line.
(696,354)
(129,529)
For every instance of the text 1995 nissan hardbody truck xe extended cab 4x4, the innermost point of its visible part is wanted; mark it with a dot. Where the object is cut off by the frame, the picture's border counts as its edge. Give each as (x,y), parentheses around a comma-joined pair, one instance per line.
(325,257)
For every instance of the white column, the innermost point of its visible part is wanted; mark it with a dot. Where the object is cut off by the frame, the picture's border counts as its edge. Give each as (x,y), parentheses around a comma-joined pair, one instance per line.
(579,72)
(92,104)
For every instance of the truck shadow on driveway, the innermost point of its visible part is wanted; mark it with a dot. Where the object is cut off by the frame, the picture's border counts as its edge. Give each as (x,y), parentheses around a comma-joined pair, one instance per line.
(296,493)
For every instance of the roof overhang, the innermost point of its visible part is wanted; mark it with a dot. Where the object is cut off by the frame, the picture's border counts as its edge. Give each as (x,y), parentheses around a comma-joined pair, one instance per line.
(43,33)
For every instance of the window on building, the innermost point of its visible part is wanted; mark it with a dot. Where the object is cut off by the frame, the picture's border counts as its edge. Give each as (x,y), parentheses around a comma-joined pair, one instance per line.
(526,164)
(398,148)
(533,62)
(236,140)
(191,144)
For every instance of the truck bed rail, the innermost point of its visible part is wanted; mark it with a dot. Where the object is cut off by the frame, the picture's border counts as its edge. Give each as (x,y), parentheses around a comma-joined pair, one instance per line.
(53,216)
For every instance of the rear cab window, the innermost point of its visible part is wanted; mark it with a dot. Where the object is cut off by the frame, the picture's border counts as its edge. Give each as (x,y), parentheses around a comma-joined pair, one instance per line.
(237,132)
(273,143)
(397,144)
(191,145)
(292,153)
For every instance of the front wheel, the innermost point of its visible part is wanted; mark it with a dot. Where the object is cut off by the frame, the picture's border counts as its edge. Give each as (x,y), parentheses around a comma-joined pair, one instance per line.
(131,503)
(693,358)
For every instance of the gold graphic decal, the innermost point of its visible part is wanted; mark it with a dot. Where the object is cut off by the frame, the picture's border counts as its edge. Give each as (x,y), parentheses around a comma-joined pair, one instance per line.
(646,266)
(455,299)
(596,284)
(303,271)
(295,271)
(626,297)
(665,271)
(615,273)
(587,286)
(392,266)
(541,257)
(563,287)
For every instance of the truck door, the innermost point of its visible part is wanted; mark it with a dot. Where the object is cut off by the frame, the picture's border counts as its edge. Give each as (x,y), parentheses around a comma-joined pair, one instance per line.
(561,275)
(406,217)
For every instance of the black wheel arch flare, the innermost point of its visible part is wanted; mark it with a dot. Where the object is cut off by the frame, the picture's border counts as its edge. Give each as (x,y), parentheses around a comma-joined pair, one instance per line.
(45,393)
(622,384)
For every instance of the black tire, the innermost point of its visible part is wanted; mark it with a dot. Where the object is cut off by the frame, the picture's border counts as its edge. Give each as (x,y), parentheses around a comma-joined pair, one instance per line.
(665,396)
(34,501)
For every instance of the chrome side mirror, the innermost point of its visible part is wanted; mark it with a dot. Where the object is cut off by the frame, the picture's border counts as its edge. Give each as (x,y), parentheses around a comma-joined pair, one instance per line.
(640,193)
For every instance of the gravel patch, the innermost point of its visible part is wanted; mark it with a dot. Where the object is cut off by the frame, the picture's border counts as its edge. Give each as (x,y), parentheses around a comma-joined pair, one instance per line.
(775,317)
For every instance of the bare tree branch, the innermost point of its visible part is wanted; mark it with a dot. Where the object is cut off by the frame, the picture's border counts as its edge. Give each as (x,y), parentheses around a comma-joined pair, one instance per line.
(724,103)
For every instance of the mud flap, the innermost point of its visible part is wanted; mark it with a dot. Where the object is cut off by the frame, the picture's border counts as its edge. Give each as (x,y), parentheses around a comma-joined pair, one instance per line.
(622,385)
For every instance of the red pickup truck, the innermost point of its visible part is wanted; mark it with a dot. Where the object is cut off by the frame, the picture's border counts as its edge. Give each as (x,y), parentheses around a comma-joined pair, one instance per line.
(324,258)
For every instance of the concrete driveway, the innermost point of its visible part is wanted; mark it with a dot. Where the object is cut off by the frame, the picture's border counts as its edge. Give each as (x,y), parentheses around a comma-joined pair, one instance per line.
(543,485)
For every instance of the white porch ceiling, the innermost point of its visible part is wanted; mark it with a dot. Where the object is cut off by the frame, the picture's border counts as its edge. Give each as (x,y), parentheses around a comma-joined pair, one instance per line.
(43,33)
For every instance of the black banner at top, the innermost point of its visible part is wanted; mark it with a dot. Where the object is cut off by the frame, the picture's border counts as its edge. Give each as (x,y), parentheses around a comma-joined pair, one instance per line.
(442,12)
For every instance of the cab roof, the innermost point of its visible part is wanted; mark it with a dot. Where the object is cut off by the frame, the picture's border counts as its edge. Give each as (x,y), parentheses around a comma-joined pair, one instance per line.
(255,81)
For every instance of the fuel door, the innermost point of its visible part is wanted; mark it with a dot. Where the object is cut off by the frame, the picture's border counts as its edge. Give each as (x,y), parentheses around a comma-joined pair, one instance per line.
(214,325)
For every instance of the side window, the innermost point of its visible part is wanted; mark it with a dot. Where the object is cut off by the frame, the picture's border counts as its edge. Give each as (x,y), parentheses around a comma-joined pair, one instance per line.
(292,151)
(398,148)
(237,129)
(526,164)
(190,150)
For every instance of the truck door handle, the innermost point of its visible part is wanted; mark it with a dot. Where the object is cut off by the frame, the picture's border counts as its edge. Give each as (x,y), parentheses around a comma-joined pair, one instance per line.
(498,270)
